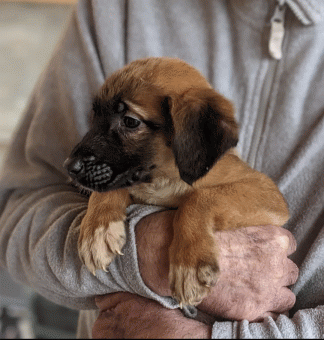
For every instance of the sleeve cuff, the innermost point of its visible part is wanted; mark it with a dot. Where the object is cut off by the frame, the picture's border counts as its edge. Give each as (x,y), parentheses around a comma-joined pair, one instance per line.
(125,269)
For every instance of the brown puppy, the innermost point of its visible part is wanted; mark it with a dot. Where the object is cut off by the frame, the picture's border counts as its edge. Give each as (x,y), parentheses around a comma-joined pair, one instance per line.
(161,135)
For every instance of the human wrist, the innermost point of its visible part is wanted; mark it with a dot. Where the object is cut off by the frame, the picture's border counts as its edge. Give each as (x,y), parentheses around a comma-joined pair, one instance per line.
(153,238)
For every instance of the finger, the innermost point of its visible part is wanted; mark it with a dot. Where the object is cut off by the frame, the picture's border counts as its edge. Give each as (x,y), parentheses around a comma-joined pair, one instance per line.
(292,273)
(261,318)
(110,301)
(283,236)
(284,301)
(292,243)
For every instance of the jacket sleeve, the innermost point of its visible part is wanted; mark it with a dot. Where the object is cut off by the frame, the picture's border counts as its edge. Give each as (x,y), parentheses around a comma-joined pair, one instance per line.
(306,324)
(40,212)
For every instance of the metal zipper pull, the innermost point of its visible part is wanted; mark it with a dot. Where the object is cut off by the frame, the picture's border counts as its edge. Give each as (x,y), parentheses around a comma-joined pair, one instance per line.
(277,31)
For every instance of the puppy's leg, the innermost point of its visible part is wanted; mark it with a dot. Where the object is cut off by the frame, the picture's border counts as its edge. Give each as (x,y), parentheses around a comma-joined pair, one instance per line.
(193,252)
(102,230)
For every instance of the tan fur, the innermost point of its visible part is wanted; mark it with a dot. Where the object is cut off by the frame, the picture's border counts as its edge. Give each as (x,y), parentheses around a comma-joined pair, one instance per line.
(102,230)
(166,189)
(230,195)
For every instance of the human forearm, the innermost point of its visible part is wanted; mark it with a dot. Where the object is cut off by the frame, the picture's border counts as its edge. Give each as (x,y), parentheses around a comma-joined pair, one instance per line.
(154,236)
(38,243)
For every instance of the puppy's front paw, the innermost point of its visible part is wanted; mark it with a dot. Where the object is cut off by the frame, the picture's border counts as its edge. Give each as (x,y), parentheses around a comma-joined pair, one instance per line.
(98,245)
(191,280)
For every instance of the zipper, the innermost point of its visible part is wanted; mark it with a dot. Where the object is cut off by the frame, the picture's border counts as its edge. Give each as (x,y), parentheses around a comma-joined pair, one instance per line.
(275,50)
(277,31)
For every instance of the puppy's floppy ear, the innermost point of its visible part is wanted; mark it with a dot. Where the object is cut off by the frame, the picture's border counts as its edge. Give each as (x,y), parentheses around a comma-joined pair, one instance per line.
(204,129)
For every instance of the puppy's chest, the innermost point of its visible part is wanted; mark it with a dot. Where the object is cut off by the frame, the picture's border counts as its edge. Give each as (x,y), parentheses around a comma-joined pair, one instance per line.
(162,191)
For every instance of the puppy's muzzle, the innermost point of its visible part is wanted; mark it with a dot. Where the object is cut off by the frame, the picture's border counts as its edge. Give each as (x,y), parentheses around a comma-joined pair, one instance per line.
(94,175)
(87,173)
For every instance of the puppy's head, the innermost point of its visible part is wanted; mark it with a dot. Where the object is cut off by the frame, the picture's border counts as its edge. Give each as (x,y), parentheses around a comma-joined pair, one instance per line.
(154,117)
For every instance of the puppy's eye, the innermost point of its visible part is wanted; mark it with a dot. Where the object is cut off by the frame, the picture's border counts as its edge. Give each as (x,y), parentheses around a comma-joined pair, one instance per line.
(131,122)
(121,107)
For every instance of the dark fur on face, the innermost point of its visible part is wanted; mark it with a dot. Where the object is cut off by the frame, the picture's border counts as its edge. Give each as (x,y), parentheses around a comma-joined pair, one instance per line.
(138,121)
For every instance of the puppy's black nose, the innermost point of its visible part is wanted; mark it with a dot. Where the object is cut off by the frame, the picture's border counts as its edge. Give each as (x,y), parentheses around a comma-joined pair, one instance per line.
(74,166)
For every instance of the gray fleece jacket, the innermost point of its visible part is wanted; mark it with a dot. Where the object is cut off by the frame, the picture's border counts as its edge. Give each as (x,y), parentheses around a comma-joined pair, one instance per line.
(279,103)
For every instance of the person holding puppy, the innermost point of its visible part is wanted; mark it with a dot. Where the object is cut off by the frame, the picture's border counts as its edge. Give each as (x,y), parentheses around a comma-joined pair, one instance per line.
(280,113)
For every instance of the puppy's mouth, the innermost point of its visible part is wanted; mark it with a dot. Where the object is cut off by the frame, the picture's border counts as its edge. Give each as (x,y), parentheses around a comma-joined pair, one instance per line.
(101,177)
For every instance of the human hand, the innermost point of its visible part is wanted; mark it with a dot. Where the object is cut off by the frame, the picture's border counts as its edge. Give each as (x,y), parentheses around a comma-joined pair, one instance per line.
(254,268)
(129,316)
(254,274)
